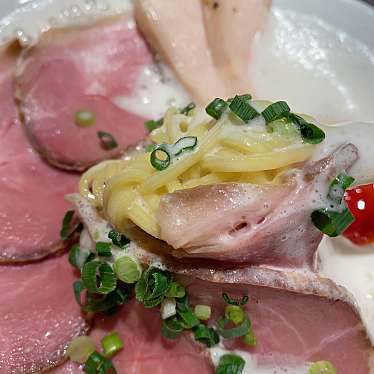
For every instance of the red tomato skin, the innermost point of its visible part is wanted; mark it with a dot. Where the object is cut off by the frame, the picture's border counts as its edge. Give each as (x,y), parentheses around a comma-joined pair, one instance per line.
(360,201)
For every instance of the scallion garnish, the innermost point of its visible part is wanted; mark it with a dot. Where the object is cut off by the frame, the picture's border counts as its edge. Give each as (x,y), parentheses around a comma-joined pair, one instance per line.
(250,338)
(229,300)
(216,108)
(171,328)
(206,335)
(80,349)
(103,249)
(98,277)
(241,107)
(153,124)
(160,158)
(234,332)
(84,118)
(118,239)
(111,343)
(186,316)
(69,225)
(186,110)
(98,364)
(203,312)
(127,269)
(168,308)
(235,314)
(230,364)
(107,140)
(275,111)
(152,287)
(78,288)
(309,132)
(162,155)
(322,367)
(176,290)
(333,222)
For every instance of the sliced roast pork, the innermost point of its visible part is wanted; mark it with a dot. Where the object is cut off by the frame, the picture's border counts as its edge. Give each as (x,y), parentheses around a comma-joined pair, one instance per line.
(82,70)
(252,223)
(32,193)
(39,315)
(179,36)
(231,27)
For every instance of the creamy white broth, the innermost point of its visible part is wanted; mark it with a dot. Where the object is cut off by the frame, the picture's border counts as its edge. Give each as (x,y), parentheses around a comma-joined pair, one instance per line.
(318,69)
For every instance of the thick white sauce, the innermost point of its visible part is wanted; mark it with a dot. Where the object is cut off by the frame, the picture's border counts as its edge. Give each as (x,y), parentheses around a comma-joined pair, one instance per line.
(317,68)
(252,366)
(353,268)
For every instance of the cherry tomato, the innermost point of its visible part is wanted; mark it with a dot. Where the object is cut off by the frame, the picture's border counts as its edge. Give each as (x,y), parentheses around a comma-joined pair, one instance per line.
(360,201)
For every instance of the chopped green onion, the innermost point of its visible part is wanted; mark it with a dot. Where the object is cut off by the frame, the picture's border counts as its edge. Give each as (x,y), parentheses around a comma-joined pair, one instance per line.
(186,143)
(230,364)
(275,111)
(98,364)
(216,108)
(235,314)
(284,127)
(111,343)
(243,109)
(153,125)
(80,349)
(118,239)
(152,287)
(250,339)
(229,300)
(127,269)
(107,303)
(156,161)
(78,288)
(186,110)
(84,118)
(107,140)
(203,312)
(206,335)
(234,332)
(98,277)
(186,316)
(322,367)
(338,187)
(171,328)
(78,257)
(332,223)
(103,249)
(245,97)
(176,290)
(67,229)
(168,308)
(309,132)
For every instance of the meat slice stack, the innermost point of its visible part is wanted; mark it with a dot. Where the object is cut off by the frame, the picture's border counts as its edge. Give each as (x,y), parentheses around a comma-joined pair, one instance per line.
(82,69)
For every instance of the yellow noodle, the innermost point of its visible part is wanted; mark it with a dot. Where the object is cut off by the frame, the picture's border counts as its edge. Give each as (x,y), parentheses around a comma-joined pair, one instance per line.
(130,190)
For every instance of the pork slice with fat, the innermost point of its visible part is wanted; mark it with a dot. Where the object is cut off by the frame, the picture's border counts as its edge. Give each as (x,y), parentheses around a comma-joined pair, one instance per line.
(32,193)
(178,35)
(255,224)
(82,68)
(231,27)
(39,315)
